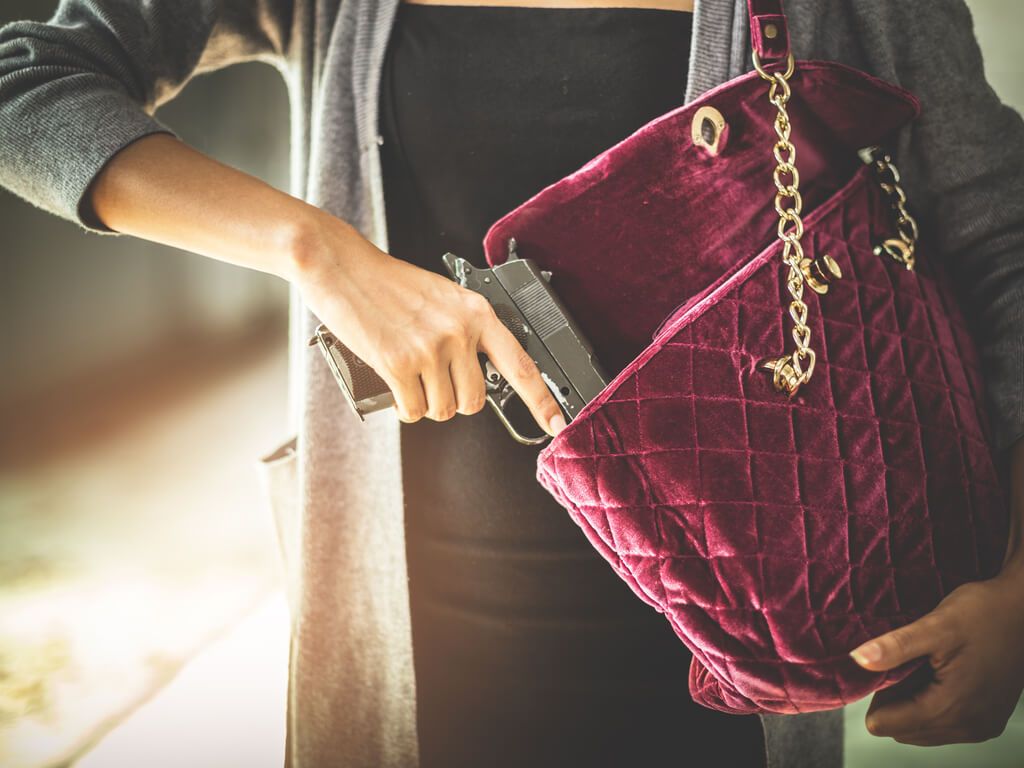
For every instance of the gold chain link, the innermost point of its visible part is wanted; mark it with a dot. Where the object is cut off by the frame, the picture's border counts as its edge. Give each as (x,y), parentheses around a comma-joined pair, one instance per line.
(789,372)
(901,248)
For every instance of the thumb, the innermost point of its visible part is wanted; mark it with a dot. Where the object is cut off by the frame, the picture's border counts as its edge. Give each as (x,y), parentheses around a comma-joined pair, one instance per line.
(899,646)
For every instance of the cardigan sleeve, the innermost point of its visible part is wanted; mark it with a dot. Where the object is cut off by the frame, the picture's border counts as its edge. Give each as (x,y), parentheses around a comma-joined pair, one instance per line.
(962,162)
(77,89)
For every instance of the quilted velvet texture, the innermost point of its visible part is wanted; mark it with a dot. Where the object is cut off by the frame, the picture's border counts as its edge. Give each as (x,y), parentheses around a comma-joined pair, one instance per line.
(775,535)
(654,219)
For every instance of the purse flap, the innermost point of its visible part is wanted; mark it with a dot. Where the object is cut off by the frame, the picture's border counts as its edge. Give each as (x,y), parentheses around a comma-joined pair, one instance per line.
(659,216)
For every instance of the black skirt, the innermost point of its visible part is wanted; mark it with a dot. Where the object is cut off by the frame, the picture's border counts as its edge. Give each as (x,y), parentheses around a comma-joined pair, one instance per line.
(528,649)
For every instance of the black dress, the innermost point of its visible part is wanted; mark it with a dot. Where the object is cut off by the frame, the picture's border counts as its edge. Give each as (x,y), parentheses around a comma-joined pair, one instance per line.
(528,649)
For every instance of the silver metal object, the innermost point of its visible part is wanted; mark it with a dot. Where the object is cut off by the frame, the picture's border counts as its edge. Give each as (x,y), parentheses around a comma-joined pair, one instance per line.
(524,301)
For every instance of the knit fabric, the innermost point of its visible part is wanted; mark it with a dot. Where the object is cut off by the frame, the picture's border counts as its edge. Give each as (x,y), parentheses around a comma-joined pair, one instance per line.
(76,90)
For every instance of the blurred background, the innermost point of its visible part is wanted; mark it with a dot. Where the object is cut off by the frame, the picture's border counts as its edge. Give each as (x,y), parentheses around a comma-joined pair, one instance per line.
(140,387)
(142,620)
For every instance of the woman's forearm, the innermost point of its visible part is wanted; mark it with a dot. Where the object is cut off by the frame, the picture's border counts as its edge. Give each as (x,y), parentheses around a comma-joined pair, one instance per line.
(420,331)
(160,189)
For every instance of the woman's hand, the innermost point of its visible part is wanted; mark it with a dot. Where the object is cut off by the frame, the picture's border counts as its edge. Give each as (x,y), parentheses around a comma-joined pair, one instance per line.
(972,640)
(419,331)
(973,643)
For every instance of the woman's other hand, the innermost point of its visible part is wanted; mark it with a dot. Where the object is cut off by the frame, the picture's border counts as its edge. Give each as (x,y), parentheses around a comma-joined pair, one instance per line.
(973,642)
(419,331)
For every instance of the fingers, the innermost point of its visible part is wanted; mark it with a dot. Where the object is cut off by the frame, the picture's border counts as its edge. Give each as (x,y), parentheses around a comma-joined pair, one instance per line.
(410,398)
(437,384)
(519,370)
(468,380)
(443,387)
(931,717)
(935,738)
(921,638)
(895,713)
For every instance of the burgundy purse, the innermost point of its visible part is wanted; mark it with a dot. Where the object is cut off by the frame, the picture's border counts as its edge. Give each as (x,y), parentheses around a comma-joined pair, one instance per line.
(793,457)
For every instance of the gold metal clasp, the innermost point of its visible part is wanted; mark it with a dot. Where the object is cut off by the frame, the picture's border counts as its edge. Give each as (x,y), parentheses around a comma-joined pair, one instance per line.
(902,247)
(899,249)
(784,375)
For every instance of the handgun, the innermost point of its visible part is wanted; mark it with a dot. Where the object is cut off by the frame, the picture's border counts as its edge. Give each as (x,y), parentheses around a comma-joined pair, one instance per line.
(521,295)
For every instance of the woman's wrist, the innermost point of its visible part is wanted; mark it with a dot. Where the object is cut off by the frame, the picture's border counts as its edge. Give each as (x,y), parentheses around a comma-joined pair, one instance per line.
(318,247)
(162,190)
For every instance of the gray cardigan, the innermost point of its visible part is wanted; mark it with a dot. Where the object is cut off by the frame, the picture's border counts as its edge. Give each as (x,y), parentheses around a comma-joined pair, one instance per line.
(76,90)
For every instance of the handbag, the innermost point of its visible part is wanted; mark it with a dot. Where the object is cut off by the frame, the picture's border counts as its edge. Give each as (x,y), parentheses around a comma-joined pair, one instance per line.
(793,456)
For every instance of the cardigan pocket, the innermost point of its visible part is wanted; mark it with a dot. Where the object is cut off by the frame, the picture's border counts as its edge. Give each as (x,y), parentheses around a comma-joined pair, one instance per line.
(280,480)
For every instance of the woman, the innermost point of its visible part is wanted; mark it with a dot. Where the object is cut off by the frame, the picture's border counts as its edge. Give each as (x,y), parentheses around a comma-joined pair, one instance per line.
(381,665)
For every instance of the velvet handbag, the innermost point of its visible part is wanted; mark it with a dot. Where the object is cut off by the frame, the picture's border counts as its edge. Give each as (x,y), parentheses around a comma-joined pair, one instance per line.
(793,456)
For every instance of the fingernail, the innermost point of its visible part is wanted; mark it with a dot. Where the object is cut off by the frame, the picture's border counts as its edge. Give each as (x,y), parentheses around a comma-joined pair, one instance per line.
(868,653)
(557,423)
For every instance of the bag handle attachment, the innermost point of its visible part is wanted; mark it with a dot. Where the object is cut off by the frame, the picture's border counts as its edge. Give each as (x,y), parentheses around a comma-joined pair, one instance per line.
(769,32)
(770,37)
(793,370)
(902,247)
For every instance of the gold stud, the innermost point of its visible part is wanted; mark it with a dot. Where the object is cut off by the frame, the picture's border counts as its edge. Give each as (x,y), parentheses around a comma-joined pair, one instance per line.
(820,272)
(771,31)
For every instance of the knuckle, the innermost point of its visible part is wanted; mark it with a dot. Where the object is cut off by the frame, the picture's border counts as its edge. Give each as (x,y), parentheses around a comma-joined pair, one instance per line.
(941,626)
(933,710)
(411,415)
(947,711)
(443,413)
(399,361)
(450,328)
(954,713)
(525,366)
(874,726)
(899,642)
(468,344)
(426,347)
(473,404)
(479,306)
(943,638)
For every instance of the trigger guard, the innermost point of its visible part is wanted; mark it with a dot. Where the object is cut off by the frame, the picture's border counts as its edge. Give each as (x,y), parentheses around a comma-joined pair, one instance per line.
(498,409)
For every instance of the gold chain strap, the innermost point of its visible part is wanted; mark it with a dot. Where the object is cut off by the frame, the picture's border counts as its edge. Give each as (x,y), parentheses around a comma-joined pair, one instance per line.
(791,371)
(900,248)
